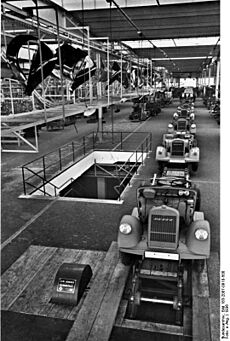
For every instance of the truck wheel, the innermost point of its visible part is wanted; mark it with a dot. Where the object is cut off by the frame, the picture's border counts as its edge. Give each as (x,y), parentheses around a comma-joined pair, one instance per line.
(161,166)
(194,166)
(198,201)
(200,263)
(127,258)
(194,142)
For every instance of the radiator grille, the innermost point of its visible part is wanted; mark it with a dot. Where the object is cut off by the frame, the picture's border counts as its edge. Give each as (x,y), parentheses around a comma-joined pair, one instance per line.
(163,229)
(177,148)
(181,125)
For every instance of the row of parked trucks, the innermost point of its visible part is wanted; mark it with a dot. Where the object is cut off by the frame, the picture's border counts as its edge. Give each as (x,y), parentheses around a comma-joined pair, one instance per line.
(148,105)
(166,234)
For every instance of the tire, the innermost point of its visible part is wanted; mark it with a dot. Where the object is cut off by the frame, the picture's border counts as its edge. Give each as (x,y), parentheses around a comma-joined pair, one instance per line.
(161,166)
(127,258)
(199,264)
(194,166)
(198,201)
(195,142)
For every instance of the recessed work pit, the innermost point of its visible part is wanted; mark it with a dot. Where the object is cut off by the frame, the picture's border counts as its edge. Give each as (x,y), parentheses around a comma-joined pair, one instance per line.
(101,181)
(101,175)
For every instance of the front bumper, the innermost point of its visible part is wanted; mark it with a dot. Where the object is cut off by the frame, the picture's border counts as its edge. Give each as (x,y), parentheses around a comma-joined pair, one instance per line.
(177,160)
(181,252)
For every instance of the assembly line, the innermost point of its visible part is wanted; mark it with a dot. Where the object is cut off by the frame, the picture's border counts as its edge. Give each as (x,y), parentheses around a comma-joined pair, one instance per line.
(110,168)
(40,230)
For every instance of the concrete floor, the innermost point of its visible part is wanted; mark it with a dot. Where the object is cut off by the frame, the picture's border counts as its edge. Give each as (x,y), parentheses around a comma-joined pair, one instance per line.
(61,223)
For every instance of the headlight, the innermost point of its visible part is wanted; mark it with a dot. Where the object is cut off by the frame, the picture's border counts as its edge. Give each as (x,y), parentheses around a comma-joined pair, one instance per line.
(201,234)
(193,126)
(125,228)
(182,192)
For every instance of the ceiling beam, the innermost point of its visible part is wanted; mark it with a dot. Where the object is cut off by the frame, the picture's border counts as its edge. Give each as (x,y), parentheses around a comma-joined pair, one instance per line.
(183,66)
(177,52)
(181,20)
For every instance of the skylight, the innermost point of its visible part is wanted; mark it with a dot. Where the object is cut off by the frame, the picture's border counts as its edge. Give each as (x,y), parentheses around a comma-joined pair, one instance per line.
(74,5)
(173,42)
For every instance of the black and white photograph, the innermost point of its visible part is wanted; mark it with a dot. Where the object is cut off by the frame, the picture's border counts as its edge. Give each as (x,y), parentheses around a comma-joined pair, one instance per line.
(115,170)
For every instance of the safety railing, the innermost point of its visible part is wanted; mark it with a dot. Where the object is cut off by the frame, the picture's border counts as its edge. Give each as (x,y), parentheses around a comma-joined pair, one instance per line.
(41,171)
(133,162)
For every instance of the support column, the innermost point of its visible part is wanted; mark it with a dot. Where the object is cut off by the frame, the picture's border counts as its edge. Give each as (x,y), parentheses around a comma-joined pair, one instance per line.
(151,74)
(217,79)
(90,78)
(11,97)
(130,66)
(101,188)
(61,68)
(204,90)
(98,60)
(40,52)
(108,71)
(100,128)
(209,75)
(121,76)
(147,75)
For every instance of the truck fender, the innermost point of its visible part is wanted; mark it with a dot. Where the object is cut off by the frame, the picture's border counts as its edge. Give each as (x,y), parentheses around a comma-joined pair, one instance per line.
(200,247)
(195,153)
(133,238)
(135,213)
(160,152)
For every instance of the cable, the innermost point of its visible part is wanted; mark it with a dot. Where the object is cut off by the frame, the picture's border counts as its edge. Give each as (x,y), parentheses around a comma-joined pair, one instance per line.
(139,32)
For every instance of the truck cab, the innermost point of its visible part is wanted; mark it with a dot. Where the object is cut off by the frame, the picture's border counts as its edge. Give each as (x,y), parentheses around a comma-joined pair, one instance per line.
(166,223)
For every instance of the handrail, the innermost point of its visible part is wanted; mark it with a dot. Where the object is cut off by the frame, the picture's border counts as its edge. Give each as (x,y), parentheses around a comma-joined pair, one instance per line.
(63,146)
(58,187)
(127,175)
(142,151)
(141,144)
(36,174)
(45,181)
(68,154)
(39,189)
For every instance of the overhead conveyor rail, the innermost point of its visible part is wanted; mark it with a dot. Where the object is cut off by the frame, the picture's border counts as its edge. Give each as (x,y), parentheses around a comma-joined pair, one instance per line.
(13,14)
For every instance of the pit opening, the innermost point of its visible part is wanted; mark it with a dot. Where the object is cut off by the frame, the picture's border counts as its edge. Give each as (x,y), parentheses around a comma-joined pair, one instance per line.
(100,175)
(67,173)
(101,181)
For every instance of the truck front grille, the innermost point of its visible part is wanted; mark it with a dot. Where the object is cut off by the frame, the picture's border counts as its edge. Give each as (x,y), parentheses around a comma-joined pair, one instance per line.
(163,229)
(181,125)
(177,148)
